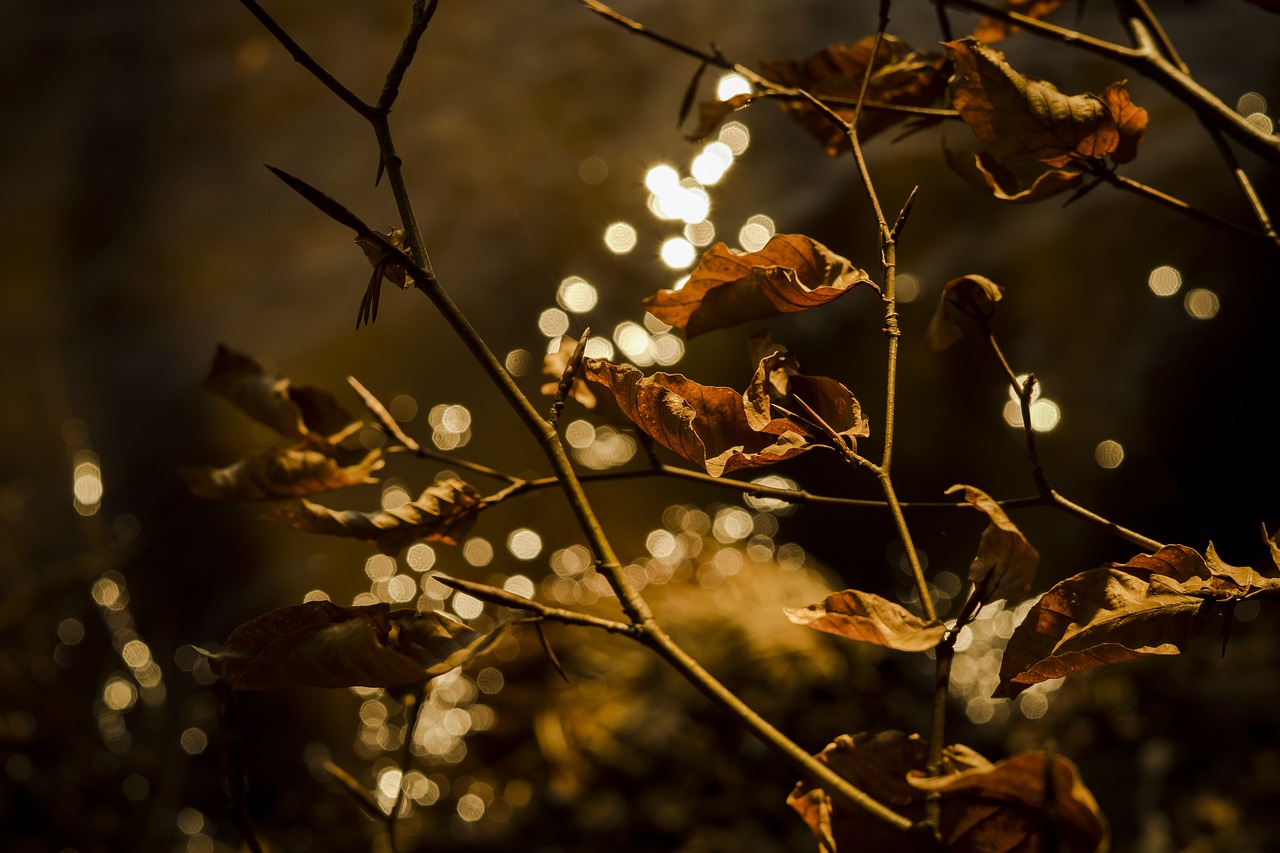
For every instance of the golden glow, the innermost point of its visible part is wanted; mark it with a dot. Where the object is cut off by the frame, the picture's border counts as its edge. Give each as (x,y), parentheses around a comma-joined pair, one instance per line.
(678,253)
(420,557)
(519,585)
(774,505)
(731,524)
(736,136)
(466,606)
(190,821)
(1164,281)
(667,349)
(316,595)
(86,484)
(576,294)
(654,325)
(711,163)
(71,631)
(553,322)
(380,567)
(524,543)
(661,544)
(1109,454)
(732,84)
(470,808)
(194,741)
(700,233)
(579,434)
(907,287)
(519,362)
(620,238)
(755,234)
(1251,102)
(634,342)
(394,495)
(477,551)
(402,588)
(661,178)
(119,694)
(598,347)
(1261,121)
(1201,304)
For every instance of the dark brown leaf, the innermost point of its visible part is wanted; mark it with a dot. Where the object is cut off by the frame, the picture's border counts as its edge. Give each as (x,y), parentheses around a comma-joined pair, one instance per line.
(983,171)
(294,411)
(992,30)
(1007,807)
(778,382)
(377,257)
(1023,119)
(442,513)
(1005,564)
(1154,604)
(870,618)
(286,473)
(791,273)
(319,644)
(972,295)
(1131,121)
(901,76)
(711,114)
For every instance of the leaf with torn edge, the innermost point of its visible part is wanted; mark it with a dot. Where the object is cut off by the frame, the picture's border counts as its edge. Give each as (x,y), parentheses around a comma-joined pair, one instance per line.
(1155,604)
(1005,807)
(879,765)
(972,295)
(294,411)
(319,644)
(791,273)
(983,171)
(870,618)
(442,513)
(1005,564)
(1023,119)
(993,30)
(285,473)
(901,77)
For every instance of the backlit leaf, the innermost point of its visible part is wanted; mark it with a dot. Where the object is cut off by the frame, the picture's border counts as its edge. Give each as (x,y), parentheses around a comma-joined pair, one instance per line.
(992,30)
(870,618)
(1155,604)
(442,513)
(972,295)
(1131,121)
(319,644)
(1023,119)
(285,473)
(1005,564)
(294,411)
(901,76)
(1004,807)
(1010,806)
(791,273)
(778,382)
(554,365)
(983,171)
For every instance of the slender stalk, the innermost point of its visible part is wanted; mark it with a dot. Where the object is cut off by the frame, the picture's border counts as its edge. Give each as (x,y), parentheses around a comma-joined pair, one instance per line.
(1123,532)
(412,703)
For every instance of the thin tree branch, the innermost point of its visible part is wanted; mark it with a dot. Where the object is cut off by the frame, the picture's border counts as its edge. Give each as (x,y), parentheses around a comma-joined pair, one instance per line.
(1175,204)
(494,595)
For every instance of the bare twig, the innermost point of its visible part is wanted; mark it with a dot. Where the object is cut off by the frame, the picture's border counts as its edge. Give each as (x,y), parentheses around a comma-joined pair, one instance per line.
(494,595)
(358,793)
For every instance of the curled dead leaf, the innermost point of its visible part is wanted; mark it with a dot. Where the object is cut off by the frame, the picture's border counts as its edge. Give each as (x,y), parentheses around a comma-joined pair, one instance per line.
(285,473)
(983,171)
(972,295)
(1005,564)
(1024,119)
(870,618)
(791,273)
(901,76)
(319,644)
(383,270)
(444,512)
(1155,604)
(294,411)
(778,385)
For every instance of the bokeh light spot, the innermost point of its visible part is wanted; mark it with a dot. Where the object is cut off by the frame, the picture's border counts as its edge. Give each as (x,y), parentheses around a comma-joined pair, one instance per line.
(677,253)
(1109,454)
(620,238)
(1164,281)
(1202,304)
(553,322)
(732,84)
(524,543)
(577,295)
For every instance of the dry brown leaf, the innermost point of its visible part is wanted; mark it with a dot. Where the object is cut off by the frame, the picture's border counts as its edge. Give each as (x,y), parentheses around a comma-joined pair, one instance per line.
(877,764)
(319,644)
(778,382)
(705,424)
(983,171)
(285,473)
(1005,564)
(1007,806)
(901,76)
(442,513)
(972,295)
(1023,119)
(1131,121)
(791,273)
(377,257)
(294,411)
(711,114)
(991,30)
(1155,604)
(870,618)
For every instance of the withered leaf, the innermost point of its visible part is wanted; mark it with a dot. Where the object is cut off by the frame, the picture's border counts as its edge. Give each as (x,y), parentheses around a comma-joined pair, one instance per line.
(1008,806)
(1005,564)
(877,764)
(870,618)
(711,114)
(901,76)
(1023,119)
(554,365)
(992,30)
(294,411)
(778,383)
(1155,604)
(444,512)
(983,171)
(377,257)
(1131,121)
(791,273)
(972,295)
(284,473)
(319,644)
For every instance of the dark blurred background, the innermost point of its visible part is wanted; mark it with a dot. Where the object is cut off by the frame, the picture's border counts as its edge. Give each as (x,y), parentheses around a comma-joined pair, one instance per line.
(140,230)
